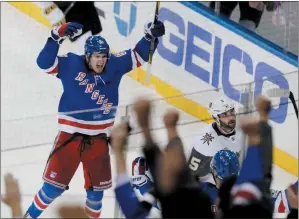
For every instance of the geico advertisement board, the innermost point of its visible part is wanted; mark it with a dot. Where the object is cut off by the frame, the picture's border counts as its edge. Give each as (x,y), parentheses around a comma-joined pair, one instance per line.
(198,53)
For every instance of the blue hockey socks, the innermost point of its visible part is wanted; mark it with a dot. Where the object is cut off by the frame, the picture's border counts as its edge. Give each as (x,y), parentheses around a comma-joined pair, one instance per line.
(43,199)
(93,205)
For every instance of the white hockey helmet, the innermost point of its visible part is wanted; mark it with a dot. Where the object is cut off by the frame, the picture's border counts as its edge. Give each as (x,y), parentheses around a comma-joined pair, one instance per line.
(219,106)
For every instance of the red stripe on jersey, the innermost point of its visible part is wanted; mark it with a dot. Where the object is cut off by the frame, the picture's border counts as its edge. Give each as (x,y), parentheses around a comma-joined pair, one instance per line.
(133,165)
(245,194)
(91,214)
(281,207)
(84,126)
(138,63)
(54,71)
(39,203)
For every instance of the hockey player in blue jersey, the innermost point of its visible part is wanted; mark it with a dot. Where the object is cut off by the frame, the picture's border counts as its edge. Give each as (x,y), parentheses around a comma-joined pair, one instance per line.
(249,195)
(280,199)
(224,165)
(135,194)
(141,182)
(86,111)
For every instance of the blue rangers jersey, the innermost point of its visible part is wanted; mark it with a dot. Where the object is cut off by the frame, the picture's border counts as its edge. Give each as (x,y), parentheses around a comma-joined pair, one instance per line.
(134,197)
(88,103)
(212,191)
(141,183)
(280,200)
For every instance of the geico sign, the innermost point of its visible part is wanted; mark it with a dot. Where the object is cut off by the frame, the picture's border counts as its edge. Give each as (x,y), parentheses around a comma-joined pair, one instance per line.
(183,42)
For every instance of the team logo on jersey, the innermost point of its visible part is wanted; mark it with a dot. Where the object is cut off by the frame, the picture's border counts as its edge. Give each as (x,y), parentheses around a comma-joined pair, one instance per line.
(53,174)
(207,138)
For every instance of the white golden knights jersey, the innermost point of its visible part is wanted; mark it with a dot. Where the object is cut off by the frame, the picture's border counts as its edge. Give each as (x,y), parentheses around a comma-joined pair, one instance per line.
(206,144)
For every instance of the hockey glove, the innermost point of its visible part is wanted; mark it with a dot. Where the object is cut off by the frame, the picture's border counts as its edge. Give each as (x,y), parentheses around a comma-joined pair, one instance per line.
(60,33)
(154,30)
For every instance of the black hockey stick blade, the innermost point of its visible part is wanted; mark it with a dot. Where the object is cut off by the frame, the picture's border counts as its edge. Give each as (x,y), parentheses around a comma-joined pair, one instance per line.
(292,98)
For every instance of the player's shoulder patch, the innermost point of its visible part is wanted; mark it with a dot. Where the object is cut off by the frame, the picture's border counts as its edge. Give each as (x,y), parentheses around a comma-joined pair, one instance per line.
(120,54)
(207,138)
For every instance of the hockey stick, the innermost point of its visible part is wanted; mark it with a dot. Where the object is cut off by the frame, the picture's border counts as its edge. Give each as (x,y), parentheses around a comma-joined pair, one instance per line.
(150,59)
(277,92)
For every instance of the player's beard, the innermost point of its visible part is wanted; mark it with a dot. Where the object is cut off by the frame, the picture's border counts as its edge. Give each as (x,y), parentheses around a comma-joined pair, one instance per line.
(227,128)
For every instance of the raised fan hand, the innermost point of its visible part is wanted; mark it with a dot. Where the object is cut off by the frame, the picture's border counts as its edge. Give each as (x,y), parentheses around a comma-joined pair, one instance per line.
(12,196)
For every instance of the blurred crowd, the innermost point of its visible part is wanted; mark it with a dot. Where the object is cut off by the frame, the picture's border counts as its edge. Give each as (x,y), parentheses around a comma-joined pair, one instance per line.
(161,183)
(58,13)
(250,11)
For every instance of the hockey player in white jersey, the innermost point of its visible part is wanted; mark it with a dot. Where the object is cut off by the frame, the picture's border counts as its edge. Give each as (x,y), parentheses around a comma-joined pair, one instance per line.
(219,135)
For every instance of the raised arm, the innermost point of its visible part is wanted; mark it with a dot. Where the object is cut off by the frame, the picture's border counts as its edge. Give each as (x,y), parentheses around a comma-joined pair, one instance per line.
(134,58)
(252,186)
(129,203)
(280,199)
(47,59)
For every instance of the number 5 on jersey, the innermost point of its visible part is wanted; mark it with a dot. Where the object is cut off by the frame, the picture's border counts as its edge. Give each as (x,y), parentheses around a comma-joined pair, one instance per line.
(194,163)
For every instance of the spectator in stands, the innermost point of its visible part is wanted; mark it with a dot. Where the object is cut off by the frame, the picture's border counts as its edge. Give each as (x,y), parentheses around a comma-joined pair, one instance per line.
(243,196)
(76,211)
(132,206)
(250,193)
(292,196)
(142,184)
(176,189)
(250,12)
(12,196)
